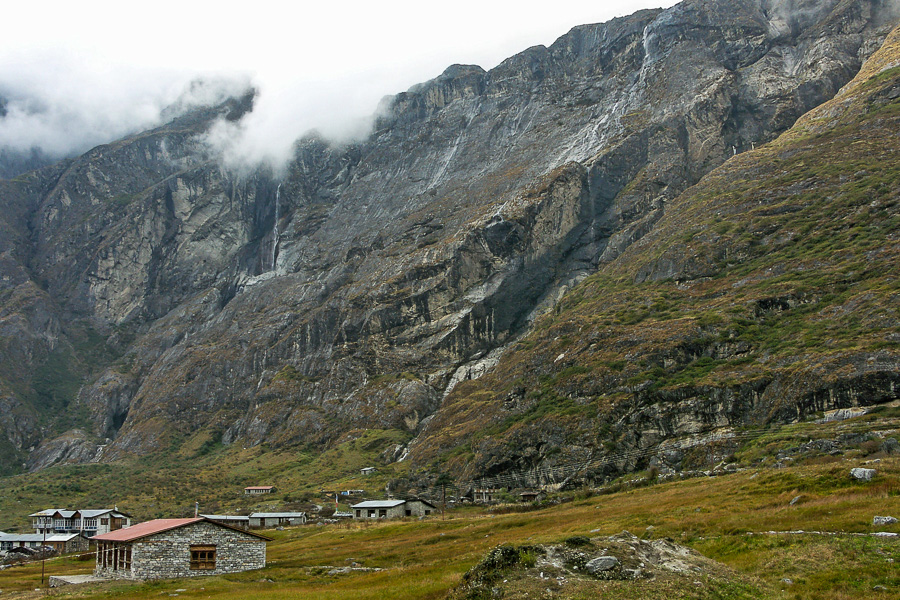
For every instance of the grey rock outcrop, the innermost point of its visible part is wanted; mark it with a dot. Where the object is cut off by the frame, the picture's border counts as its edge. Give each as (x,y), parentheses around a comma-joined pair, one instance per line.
(881,521)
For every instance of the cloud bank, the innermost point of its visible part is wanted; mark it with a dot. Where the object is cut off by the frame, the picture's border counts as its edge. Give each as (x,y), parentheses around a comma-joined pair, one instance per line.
(76,75)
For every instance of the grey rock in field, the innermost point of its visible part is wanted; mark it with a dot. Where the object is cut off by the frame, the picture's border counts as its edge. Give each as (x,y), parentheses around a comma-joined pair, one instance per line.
(890,446)
(884,520)
(602,564)
(861,474)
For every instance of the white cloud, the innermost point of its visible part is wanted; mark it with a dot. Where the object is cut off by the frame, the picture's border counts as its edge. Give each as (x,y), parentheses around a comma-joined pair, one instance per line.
(81,73)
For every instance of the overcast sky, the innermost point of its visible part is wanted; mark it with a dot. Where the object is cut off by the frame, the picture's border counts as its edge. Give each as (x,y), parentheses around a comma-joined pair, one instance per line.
(77,74)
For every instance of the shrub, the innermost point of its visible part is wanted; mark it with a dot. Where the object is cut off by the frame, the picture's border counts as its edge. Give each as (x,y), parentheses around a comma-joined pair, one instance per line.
(577,541)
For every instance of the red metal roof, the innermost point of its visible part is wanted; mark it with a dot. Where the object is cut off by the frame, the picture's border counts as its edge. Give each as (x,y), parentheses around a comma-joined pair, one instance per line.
(142,530)
(260,487)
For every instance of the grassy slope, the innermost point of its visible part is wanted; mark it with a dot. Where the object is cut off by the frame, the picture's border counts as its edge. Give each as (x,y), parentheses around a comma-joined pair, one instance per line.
(168,484)
(776,272)
(425,559)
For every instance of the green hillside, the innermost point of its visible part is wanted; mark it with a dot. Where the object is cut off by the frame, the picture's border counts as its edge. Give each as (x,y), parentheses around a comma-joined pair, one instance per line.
(767,293)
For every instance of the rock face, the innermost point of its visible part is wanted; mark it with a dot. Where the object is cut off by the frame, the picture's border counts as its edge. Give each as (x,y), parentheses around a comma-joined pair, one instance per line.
(371,279)
(734,311)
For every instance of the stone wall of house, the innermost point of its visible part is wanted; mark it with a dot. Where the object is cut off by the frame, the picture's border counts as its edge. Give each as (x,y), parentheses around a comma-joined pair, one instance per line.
(168,554)
(264,522)
(394,512)
(78,544)
(418,509)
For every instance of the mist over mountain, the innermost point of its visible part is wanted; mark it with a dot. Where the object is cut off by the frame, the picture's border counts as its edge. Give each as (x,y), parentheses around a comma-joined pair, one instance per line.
(73,81)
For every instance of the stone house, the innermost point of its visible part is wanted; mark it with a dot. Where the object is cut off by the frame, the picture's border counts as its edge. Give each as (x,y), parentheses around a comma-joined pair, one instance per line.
(274,519)
(254,490)
(392,509)
(168,548)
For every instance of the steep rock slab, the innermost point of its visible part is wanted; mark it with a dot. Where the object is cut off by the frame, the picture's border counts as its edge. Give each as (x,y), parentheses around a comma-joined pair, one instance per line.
(766,293)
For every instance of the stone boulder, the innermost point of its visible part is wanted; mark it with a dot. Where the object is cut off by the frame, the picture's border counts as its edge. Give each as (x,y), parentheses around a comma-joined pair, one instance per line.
(890,446)
(861,474)
(883,521)
(602,564)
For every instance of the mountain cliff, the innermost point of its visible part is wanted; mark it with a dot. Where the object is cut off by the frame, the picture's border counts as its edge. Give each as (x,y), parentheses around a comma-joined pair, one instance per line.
(766,294)
(147,293)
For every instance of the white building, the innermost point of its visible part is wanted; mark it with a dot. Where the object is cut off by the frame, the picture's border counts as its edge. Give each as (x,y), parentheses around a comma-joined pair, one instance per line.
(274,519)
(241,522)
(89,522)
(61,542)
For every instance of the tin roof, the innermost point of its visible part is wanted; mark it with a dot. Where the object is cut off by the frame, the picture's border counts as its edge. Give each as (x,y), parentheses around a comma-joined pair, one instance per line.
(142,530)
(226,517)
(283,515)
(87,514)
(379,504)
(37,537)
(260,487)
(68,514)
(47,512)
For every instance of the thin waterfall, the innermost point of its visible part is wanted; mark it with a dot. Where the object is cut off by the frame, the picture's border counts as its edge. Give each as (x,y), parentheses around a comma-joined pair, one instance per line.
(275,226)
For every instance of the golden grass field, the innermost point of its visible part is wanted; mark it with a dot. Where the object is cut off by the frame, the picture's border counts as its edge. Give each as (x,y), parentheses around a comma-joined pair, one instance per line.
(715,516)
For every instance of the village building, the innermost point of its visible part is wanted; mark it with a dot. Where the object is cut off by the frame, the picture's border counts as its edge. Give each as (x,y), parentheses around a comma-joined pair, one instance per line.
(254,490)
(89,522)
(274,519)
(368,471)
(530,496)
(168,548)
(241,522)
(61,542)
(392,509)
(487,495)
